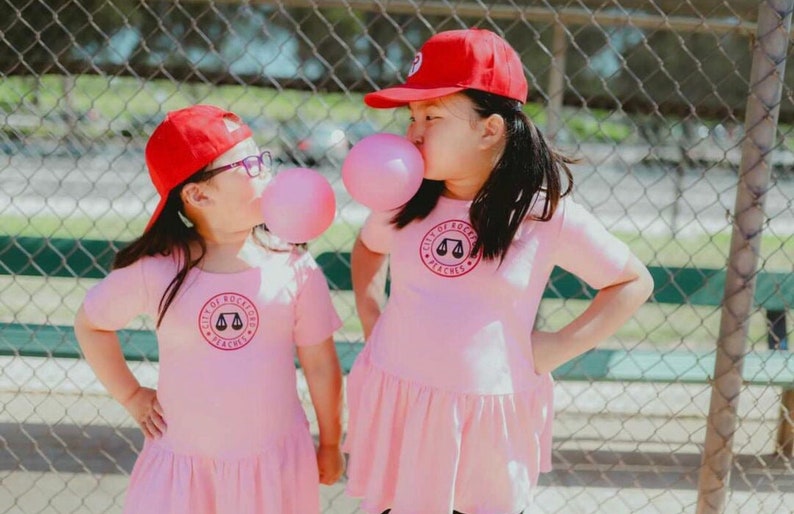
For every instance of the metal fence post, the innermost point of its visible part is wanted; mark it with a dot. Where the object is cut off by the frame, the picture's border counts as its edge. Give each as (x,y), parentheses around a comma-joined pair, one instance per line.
(557,80)
(763,107)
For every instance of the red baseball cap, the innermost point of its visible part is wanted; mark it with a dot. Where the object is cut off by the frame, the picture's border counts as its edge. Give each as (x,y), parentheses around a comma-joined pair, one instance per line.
(455,60)
(185,142)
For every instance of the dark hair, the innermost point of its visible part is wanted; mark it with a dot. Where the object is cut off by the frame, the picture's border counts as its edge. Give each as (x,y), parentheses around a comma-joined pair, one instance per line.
(168,235)
(527,166)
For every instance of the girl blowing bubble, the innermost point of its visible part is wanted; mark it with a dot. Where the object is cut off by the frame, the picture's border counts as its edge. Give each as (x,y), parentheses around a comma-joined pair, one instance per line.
(451,399)
(225,430)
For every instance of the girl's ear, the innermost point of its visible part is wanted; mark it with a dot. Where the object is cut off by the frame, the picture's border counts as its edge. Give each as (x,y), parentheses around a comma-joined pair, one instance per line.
(493,131)
(194,195)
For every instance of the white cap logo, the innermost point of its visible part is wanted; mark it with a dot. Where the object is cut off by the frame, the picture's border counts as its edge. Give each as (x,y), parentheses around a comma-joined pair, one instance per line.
(415,64)
(232,124)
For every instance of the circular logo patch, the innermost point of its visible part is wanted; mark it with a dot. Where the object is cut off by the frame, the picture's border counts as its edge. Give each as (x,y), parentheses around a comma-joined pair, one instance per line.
(228,321)
(415,64)
(446,249)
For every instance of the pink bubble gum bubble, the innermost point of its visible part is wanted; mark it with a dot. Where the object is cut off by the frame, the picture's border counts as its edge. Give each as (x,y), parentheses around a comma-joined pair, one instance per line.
(298,205)
(383,171)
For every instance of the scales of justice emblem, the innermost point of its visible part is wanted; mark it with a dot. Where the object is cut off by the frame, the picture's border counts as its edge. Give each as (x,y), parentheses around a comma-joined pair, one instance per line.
(446,249)
(228,321)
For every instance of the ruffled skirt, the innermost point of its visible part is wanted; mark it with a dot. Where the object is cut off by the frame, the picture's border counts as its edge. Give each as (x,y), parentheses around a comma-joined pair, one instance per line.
(281,479)
(420,450)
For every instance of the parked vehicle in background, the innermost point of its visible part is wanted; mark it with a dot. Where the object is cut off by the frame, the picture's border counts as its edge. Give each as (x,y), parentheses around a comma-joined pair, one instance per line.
(320,143)
(311,144)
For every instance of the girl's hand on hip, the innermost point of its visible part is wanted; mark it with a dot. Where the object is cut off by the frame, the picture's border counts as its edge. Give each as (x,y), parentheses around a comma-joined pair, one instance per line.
(147,412)
(545,351)
(331,464)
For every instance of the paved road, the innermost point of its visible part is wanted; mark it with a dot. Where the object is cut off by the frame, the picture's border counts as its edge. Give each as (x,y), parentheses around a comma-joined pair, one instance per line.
(617,449)
(615,182)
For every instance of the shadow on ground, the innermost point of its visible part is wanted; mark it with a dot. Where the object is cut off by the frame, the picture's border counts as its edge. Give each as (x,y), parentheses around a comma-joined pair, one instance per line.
(107,450)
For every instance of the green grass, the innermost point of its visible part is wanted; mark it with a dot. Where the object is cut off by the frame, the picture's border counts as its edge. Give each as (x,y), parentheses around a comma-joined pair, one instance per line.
(672,327)
(126,102)
(705,251)
(708,250)
(109,226)
(339,236)
(127,99)
(593,129)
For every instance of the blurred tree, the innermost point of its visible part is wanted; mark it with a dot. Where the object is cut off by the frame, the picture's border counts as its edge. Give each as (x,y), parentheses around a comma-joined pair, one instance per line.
(331,45)
(339,49)
(178,34)
(41,35)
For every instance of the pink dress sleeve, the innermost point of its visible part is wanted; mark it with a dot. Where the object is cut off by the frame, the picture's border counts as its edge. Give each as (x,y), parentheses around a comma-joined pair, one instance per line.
(315,316)
(378,232)
(585,248)
(118,298)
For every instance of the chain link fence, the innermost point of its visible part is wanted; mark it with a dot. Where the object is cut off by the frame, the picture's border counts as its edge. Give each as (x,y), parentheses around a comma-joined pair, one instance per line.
(679,112)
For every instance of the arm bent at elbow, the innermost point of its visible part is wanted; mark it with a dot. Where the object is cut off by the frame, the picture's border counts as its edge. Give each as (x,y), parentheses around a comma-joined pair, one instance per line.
(368,272)
(610,309)
(102,351)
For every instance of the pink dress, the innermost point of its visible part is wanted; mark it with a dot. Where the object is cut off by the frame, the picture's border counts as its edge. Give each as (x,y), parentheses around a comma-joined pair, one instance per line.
(446,409)
(237,440)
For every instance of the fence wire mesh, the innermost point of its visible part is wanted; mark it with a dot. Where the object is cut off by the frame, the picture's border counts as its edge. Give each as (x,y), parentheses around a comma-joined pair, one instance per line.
(650,96)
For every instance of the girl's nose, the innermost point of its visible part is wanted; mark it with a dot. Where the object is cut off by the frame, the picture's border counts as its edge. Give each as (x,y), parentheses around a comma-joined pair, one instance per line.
(415,136)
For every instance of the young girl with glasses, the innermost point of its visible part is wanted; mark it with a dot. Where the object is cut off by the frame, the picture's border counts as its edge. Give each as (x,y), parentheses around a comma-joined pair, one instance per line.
(224,430)
(451,398)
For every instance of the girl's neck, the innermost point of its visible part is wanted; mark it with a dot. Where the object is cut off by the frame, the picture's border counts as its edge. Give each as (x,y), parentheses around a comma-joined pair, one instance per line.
(461,190)
(466,187)
(228,254)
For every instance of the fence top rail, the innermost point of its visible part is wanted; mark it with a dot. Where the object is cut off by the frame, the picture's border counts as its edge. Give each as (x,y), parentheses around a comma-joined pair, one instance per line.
(765,367)
(91,259)
(710,16)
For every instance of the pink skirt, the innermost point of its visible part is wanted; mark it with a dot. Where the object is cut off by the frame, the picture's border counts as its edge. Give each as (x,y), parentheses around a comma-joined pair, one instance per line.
(280,480)
(416,449)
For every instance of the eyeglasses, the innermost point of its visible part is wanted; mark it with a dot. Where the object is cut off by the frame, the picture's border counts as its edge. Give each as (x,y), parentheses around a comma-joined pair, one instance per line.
(255,166)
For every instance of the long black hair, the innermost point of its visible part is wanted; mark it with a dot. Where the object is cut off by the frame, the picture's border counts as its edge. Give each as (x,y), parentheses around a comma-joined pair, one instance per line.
(168,235)
(527,166)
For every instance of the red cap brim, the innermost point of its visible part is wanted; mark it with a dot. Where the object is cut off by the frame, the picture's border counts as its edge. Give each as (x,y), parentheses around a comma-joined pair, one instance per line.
(402,95)
(156,213)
